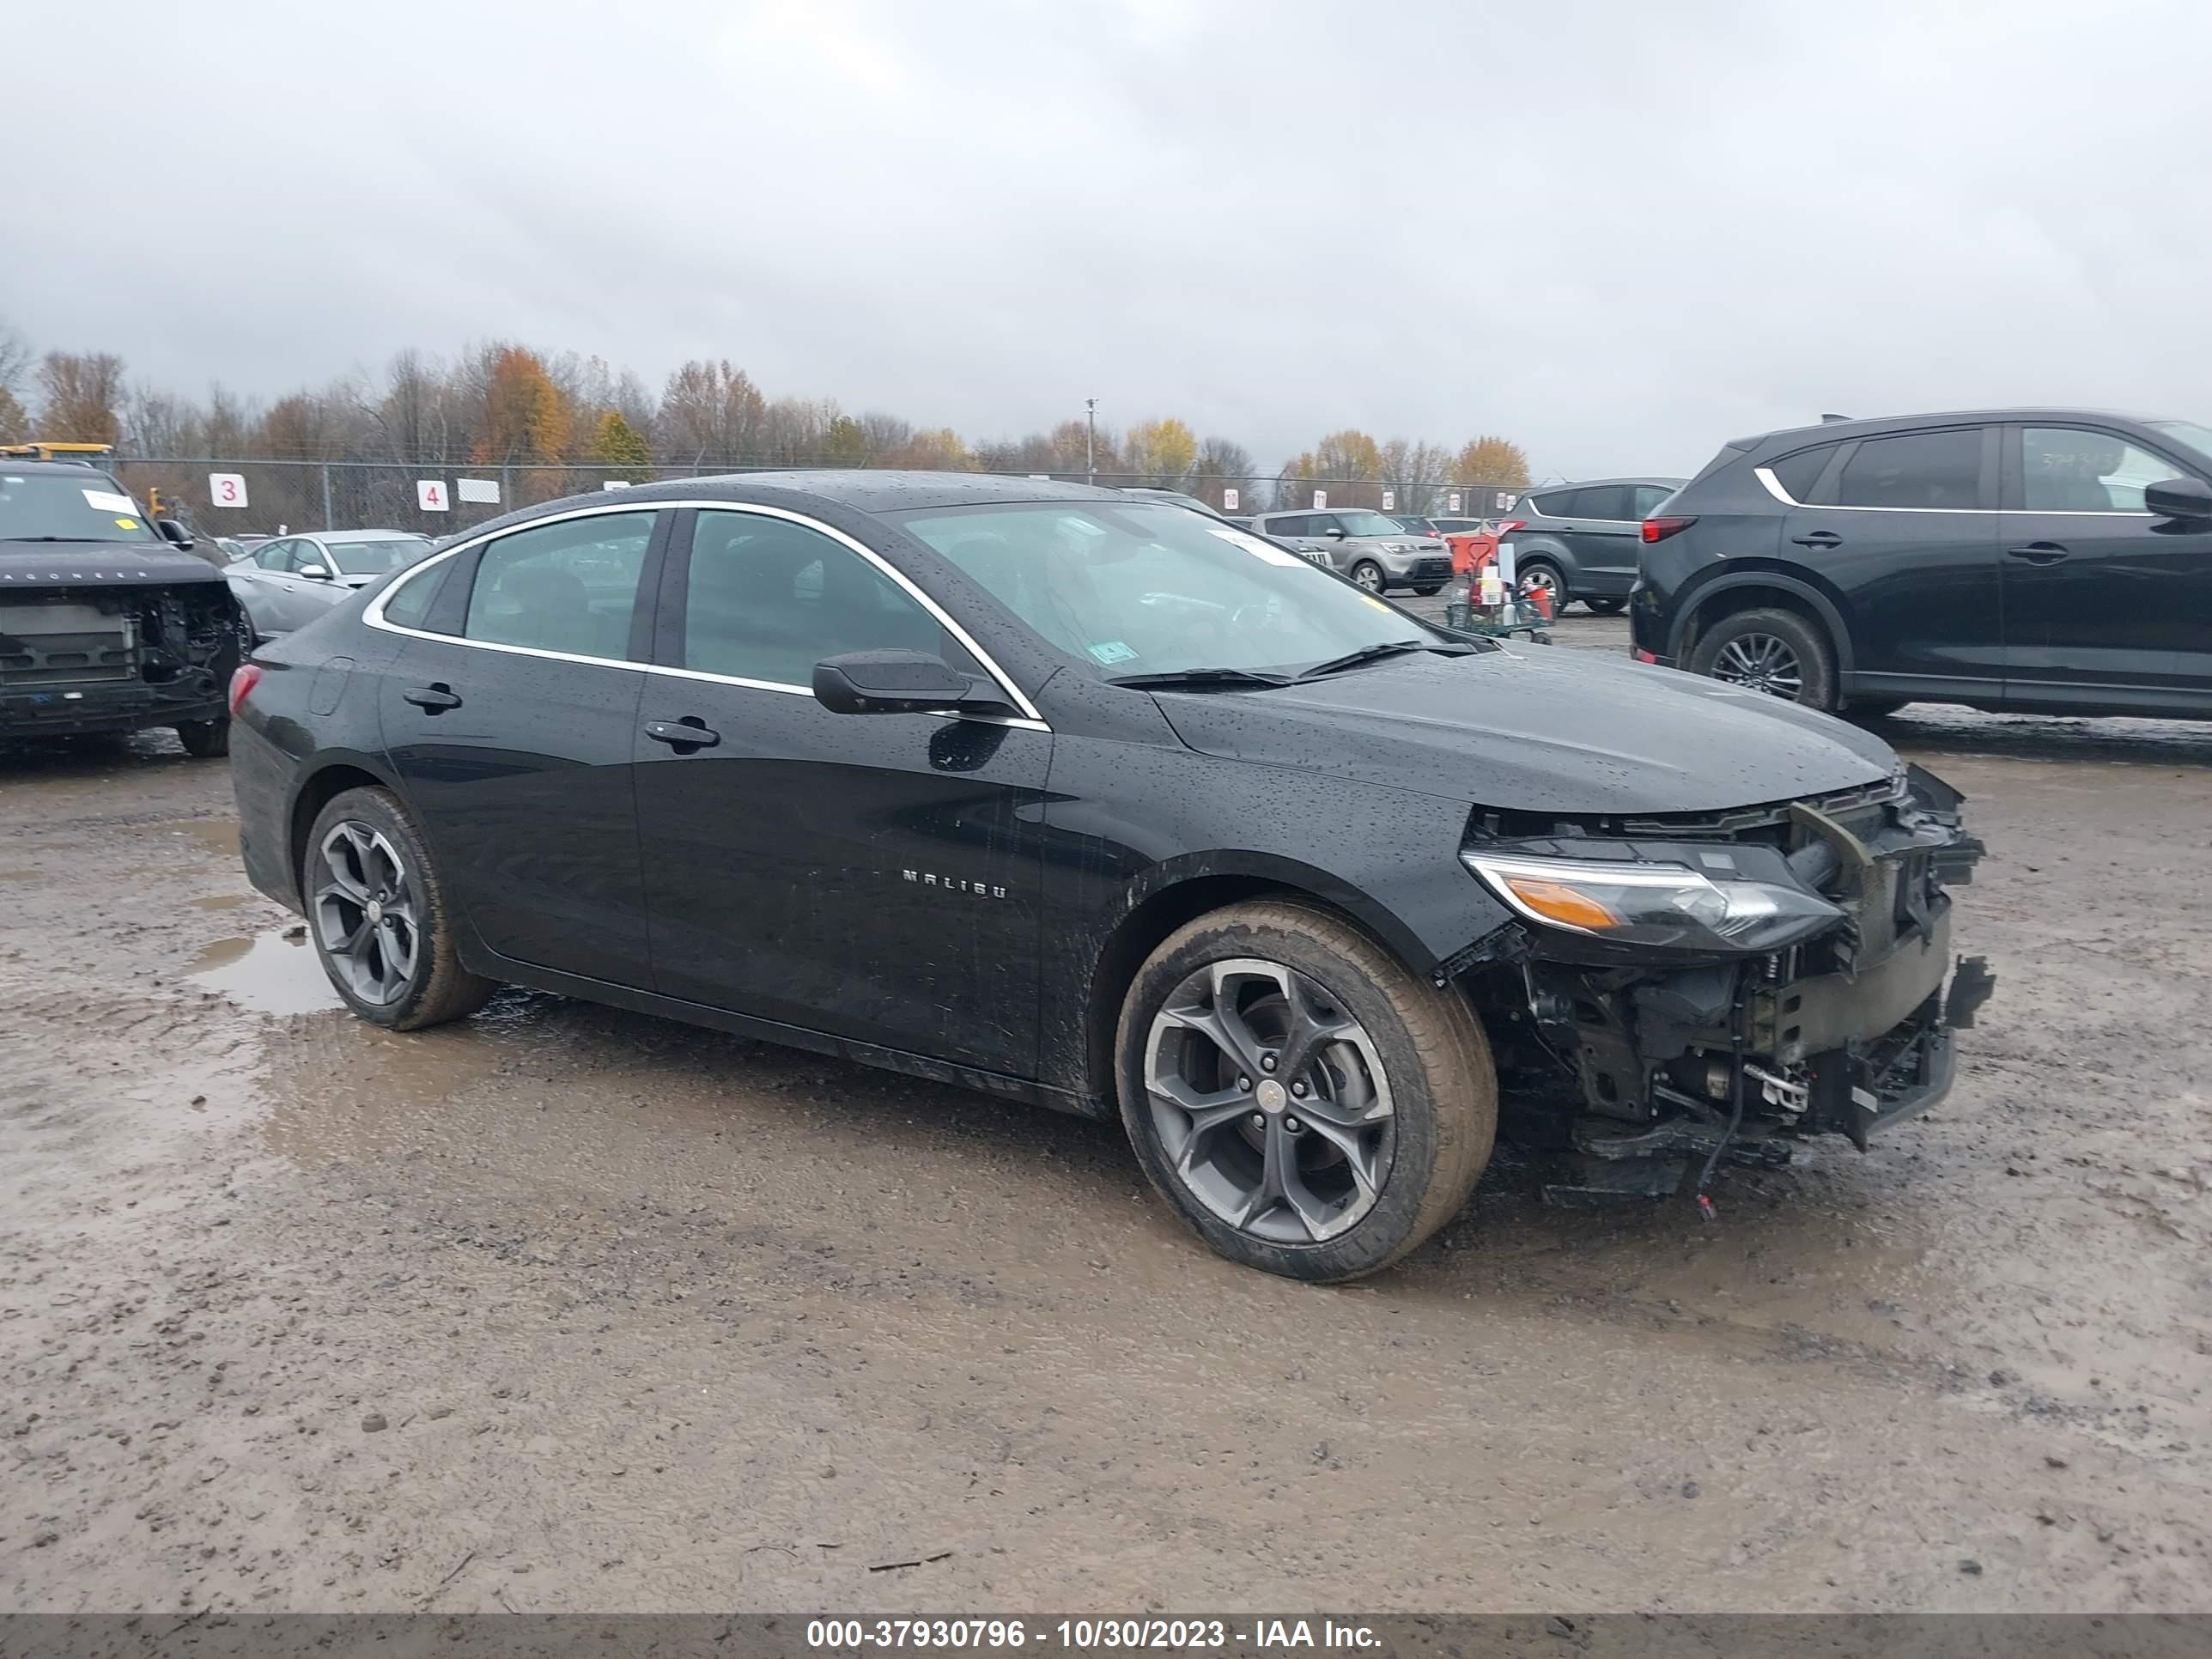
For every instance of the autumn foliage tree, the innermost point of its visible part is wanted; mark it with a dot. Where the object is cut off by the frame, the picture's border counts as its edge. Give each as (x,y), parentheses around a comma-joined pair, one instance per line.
(621,448)
(525,419)
(1490,460)
(81,394)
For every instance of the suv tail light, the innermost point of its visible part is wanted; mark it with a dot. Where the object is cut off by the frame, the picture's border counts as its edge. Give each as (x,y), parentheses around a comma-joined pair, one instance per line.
(243,679)
(1512,525)
(1657,530)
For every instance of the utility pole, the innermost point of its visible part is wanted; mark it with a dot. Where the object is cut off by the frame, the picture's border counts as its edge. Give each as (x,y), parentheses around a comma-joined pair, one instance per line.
(1090,440)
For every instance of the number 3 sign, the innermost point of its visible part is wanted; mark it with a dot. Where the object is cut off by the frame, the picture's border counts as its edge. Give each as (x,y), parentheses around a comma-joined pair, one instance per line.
(227,488)
(430,495)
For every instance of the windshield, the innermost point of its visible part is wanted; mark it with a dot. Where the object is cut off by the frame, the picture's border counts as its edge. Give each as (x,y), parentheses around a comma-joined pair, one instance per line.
(1368,524)
(374,558)
(2198,437)
(1154,590)
(68,506)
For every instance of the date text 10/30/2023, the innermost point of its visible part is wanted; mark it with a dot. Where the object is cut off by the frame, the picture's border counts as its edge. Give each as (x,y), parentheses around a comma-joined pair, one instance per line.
(1089,1635)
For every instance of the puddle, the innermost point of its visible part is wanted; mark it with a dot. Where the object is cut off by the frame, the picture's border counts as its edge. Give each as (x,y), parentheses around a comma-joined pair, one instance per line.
(216,835)
(269,974)
(214,902)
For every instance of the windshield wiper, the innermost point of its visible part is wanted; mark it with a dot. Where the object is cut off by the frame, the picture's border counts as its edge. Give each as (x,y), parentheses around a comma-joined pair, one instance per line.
(1376,652)
(1198,679)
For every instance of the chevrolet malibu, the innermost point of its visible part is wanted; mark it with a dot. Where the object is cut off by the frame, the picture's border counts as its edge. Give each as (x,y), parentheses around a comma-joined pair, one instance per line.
(1114,807)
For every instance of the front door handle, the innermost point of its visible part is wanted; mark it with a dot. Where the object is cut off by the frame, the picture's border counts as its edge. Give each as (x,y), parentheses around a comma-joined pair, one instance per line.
(684,735)
(1818,539)
(2039,553)
(431,699)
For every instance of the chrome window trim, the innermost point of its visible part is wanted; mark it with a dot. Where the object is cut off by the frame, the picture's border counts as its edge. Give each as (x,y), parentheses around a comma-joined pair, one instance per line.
(1766,476)
(373,616)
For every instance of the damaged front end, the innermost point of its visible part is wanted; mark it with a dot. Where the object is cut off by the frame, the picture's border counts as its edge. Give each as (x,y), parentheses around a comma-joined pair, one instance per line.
(90,651)
(1686,989)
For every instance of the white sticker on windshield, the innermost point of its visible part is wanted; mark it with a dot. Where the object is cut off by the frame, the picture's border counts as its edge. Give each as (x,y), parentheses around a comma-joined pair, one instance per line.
(106,501)
(1111,651)
(1254,545)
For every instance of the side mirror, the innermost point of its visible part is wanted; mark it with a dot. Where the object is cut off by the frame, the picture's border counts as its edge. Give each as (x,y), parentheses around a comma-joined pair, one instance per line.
(171,530)
(896,683)
(1335,532)
(2180,498)
(314,572)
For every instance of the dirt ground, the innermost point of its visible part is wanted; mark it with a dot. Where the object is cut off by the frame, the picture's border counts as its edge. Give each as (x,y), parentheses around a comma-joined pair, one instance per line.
(565,1308)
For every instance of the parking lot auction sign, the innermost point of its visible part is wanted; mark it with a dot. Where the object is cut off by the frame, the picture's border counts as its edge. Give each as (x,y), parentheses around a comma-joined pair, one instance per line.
(1321,499)
(1228,501)
(430,495)
(226,489)
(478,489)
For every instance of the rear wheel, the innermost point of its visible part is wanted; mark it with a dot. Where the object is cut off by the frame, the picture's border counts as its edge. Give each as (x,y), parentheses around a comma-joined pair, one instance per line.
(1536,576)
(380,916)
(1607,607)
(1429,590)
(1306,1104)
(204,739)
(1369,575)
(1776,652)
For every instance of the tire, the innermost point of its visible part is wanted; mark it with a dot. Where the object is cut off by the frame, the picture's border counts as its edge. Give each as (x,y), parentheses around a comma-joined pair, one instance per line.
(1423,1134)
(1429,590)
(1530,574)
(1872,709)
(1774,651)
(204,739)
(1607,607)
(366,834)
(1367,574)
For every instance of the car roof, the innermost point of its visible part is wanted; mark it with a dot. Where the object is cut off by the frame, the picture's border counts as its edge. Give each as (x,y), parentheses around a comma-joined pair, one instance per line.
(65,469)
(1877,423)
(867,489)
(1578,483)
(364,535)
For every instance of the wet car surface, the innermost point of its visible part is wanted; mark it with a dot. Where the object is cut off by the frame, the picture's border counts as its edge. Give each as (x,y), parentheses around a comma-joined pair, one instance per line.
(593,1273)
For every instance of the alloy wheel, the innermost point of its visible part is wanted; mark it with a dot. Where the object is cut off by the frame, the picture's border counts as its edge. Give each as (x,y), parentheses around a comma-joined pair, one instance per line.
(365,912)
(1368,576)
(1539,580)
(1761,662)
(1270,1101)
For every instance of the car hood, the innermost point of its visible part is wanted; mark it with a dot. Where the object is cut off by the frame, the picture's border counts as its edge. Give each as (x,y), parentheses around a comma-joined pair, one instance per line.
(68,564)
(1539,729)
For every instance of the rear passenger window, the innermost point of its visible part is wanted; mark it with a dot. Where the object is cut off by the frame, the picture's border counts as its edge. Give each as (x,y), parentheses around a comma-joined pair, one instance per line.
(1798,473)
(1603,502)
(766,599)
(1919,469)
(570,587)
(409,606)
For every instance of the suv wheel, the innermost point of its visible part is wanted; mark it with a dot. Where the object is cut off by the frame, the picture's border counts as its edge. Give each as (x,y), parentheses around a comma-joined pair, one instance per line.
(380,916)
(1309,1106)
(204,739)
(1607,607)
(1776,652)
(1369,575)
(1537,576)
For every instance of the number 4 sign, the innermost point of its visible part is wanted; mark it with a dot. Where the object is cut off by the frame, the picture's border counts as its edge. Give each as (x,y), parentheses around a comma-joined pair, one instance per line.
(430,495)
(227,488)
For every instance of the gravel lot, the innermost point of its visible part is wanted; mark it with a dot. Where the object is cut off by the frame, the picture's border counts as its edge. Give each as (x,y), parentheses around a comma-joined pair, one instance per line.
(565,1308)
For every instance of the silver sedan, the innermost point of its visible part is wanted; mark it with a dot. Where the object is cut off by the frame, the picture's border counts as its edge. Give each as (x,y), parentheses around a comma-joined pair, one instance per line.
(286,582)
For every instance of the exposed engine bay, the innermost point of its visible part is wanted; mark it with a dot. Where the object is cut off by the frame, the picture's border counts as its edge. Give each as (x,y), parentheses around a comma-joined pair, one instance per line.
(1684,990)
(110,657)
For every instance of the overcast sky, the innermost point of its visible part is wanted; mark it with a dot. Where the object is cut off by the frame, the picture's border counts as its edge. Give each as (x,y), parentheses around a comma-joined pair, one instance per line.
(1619,234)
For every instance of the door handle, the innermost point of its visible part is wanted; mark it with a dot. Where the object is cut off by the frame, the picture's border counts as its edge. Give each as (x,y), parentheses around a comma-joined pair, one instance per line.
(2039,553)
(1818,539)
(688,733)
(431,699)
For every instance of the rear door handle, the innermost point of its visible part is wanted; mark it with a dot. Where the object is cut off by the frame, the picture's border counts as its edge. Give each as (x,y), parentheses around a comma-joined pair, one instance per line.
(2039,553)
(690,732)
(1818,539)
(431,699)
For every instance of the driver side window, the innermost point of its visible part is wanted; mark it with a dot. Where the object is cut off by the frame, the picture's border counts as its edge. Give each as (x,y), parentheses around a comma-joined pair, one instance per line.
(274,555)
(305,553)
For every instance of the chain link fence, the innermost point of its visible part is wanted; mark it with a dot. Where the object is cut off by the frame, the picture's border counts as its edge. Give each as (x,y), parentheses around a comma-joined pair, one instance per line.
(222,497)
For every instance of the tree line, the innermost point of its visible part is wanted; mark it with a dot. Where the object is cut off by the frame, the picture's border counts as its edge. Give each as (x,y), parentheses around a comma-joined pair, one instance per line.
(502,404)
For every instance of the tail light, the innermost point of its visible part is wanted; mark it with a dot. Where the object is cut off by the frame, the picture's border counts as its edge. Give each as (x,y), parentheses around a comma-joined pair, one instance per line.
(1657,530)
(1512,525)
(243,679)
(1641,654)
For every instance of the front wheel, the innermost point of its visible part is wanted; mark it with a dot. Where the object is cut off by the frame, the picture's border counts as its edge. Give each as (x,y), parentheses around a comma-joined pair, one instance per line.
(204,739)
(1306,1104)
(1607,607)
(380,918)
(1776,652)
(1369,575)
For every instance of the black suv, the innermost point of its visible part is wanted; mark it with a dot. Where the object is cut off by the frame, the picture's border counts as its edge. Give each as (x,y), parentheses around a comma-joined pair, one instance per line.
(1579,541)
(2047,561)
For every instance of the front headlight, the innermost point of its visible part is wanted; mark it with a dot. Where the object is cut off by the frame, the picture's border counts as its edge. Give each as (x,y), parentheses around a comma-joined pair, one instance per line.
(1666,905)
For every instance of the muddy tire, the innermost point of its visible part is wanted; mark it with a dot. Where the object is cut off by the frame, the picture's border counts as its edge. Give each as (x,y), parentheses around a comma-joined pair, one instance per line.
(204,739)
(1774,651)
(380,916)
(1307,1105)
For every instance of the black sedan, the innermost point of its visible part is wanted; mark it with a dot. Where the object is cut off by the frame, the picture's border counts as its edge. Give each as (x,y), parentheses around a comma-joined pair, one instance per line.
(1107,806)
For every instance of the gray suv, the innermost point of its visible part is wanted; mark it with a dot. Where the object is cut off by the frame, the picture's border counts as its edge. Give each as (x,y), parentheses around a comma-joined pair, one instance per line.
(1581,541)
(1373,551)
